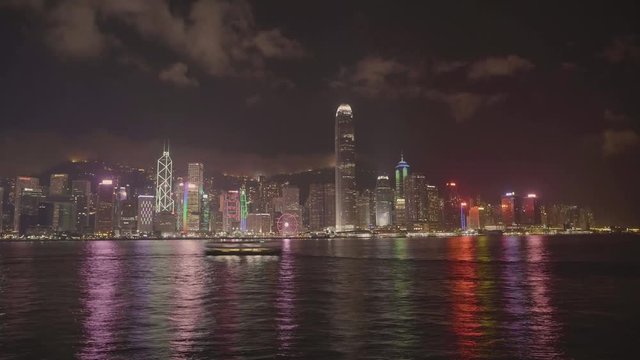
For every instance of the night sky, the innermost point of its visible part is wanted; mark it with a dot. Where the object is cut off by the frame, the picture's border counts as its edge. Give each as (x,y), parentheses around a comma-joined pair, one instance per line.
(536,96)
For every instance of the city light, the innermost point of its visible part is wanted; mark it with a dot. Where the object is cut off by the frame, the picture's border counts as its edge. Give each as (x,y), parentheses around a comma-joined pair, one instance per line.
(106,182)
(531,195)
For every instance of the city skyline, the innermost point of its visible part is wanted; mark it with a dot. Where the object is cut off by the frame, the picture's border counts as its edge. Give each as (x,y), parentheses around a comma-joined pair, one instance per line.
(497,103)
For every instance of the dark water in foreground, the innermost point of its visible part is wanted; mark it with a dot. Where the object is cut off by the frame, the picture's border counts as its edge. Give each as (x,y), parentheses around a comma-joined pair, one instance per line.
(510,297)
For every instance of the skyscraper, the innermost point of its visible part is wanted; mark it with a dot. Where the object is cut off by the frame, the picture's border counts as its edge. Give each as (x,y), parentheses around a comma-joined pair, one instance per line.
(417,200)
(511,209)
(400,199)
(145,214)
(451,208)
(81,193)
(321,204)
(345,151)
(364,202)
(194,196)
(434,208)
(105,207)
(531,214)
(164,183)
(230,209)
(1,210)
(22,183)
(383,201)
(59,184)
(243,209)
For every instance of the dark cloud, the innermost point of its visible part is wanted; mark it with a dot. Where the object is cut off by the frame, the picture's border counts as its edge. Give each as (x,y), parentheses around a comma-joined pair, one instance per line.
(498,66)
(220,37)
(621,49)
(41,150)
(464,105)
(618,141)
(176,74)
(375,76)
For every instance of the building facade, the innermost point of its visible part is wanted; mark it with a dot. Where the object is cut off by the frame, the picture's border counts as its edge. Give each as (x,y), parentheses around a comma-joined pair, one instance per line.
(345,152)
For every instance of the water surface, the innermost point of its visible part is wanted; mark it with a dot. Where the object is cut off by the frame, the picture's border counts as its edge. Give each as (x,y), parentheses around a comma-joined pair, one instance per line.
(465,297)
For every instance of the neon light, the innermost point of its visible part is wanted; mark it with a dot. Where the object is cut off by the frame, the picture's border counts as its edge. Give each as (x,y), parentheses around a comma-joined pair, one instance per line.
(532,195)
(510,194)
(106,182)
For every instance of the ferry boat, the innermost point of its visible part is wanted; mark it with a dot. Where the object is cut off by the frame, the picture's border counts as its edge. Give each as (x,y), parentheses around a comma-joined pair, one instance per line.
(243,247)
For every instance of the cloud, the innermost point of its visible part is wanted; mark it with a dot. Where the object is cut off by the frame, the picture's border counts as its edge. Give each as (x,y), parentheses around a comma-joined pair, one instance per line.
(618,141)
(443,67)
(253,100)
(376,76)
(615,117)
(621,49)
(43,150)
(73,31)
(498,66)
(464,105)
(219,36)
(176,74)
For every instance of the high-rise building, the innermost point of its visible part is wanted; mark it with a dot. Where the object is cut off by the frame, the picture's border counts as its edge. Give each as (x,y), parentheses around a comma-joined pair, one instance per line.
(22,183)
(531,214)
(244,210)
(417,200)
(364,202)
(81,194)
(1,210)
(511,207)
(383,201)
(321,205)
(259,223)
(30,200)
(434,208)
(194,196)
(105,207)
(400,199)
(451,208)
(146,204)
(345,151)
(230,209)
(164,183)
(205,214)
(59,184)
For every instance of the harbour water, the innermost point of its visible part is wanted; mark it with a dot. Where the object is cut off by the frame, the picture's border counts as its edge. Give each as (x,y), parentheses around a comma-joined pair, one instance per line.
(536,297)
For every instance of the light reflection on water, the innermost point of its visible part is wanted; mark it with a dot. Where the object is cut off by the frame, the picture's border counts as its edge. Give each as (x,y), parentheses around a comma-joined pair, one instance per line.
(462,297)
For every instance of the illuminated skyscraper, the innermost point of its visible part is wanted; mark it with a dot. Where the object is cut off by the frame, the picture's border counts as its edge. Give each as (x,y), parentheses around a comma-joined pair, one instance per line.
(230,209)
(81,193)
(451,208)
(22,183)
(345,151)
(383,201)
(511,209)
(321,204)
(531,214)
(400,199)
(105,207)
(145,214)
(164,183)
(434,208)
(194,196)
(59,184)
(244,211)
(1,210)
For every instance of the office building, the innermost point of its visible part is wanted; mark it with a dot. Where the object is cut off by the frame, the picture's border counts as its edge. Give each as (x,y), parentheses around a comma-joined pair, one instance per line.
(23,184)
(146,205)
(434,208)
(511,206)
(345,152)
(451,208)
(194,195)
(259,223)
(59,184)
(104,219)
(400,200)
(383,201)
(321,206)
(230,209)
(364,206)
(164,183)
(531,211)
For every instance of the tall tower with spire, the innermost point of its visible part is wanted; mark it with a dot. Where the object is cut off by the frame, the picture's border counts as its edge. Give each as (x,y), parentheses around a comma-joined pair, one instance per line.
(400,198)
(164,182)
(345,169)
